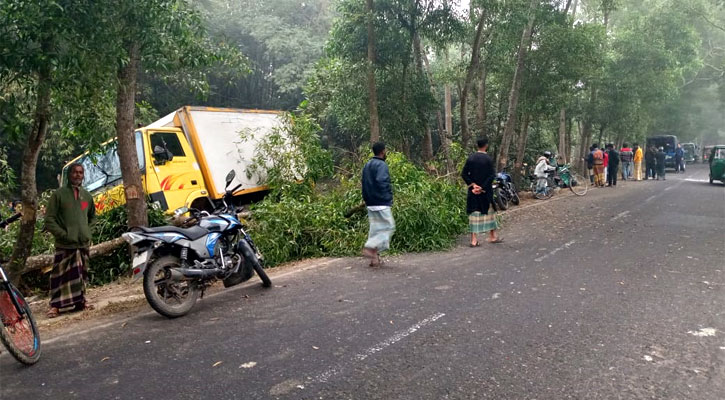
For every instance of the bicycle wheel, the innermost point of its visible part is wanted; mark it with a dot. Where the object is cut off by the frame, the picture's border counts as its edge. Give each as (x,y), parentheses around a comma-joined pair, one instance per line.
(578,185)
(18,333)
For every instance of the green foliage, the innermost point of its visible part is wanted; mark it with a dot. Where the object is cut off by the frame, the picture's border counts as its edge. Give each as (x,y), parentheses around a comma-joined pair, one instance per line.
(429,214)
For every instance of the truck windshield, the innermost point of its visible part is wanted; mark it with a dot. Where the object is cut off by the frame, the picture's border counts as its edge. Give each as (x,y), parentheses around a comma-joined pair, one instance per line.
(104,168)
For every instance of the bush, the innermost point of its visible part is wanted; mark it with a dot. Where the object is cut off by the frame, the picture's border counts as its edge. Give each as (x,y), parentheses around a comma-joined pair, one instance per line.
(429,213)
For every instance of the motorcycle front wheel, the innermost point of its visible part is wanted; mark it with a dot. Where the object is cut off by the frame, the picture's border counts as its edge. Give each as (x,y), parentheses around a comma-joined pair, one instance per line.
(266,282)
(168,297)
(500,199)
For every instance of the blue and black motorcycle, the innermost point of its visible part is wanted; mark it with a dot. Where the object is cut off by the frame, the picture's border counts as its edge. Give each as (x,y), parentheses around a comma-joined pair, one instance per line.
(178,264)
(505,191)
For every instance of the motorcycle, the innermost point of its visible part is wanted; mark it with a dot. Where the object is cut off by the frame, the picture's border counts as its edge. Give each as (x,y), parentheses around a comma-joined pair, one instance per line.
(179,263)
(507,187)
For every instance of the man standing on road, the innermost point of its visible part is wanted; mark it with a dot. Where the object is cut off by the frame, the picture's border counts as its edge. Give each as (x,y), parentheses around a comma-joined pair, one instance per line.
(626,155)
(679,159)
(590,164)
(650,162)
(69,215)
(613,165)
(637,162)
(377,193)
(479,173)
(660,157)
(598,157)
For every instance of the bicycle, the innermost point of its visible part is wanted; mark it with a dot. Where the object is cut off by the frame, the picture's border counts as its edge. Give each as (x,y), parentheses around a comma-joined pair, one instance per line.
(19,332)
(562,177)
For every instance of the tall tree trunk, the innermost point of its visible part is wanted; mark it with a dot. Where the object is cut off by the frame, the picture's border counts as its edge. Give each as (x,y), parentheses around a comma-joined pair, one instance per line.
(125,106)
(443,133)
(563,151)
(569,153)
(448,105)
(427,152)
(28,188)
(515,89)
(521,149)
(475,56)
(372,88)
(481,103)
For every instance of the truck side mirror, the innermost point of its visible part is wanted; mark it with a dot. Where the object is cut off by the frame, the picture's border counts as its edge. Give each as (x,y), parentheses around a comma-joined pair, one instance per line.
(162,155)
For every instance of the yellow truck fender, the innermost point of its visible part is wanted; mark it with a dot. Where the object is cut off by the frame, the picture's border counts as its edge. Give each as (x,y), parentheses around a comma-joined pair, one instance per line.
(201,199)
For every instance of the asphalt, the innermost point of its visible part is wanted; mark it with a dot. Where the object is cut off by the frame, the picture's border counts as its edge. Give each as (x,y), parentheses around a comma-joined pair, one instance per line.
(615,295)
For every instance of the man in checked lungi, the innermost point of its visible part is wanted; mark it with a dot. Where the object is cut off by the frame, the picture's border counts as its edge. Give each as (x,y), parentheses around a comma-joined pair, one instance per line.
(479,173)
(69,215)
(377,193)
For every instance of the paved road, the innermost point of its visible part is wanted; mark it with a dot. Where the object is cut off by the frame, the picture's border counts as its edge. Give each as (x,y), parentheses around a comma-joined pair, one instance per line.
(619,294)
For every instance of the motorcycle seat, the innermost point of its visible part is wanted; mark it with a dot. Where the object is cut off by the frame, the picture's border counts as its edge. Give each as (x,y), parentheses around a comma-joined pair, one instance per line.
(193,233)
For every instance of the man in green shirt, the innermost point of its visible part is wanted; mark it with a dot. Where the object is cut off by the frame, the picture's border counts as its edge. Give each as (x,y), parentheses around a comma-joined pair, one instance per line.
(69,215)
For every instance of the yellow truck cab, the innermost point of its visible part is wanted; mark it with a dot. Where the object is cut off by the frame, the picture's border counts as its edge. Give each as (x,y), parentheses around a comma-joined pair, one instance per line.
(184,158)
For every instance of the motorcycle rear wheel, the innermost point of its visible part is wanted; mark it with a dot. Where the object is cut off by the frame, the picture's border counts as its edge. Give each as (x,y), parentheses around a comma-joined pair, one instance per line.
(514,194)
(169,298)
(500,199)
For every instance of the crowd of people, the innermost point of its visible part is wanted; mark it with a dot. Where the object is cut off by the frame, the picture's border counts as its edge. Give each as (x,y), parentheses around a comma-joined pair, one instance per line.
(605,165)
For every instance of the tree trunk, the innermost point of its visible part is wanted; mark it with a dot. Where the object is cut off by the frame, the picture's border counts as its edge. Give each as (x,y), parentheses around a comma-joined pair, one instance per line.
(563,151)
(448,105)
(475,55)
(427,152)
(481,103)
(515,90)
(29,190)
(372,88)
(45,261)
(125,106)
(445,136)
(570,156)
(521,150)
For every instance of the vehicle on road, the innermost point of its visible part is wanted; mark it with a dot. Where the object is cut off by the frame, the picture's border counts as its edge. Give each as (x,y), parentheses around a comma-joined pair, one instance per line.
(184,157)
(18,332)
(562,177)
(690,152)
(669,144)
(717,163)
(178,264)
(706,150)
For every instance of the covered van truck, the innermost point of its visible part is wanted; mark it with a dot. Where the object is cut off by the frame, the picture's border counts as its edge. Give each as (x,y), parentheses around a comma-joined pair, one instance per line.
(184,158)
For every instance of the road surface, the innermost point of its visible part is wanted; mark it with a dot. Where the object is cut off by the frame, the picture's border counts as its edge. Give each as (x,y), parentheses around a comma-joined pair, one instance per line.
(618,294)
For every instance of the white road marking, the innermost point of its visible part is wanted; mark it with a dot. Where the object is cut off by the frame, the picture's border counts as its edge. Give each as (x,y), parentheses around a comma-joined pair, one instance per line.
(703,332)
(668,188)
(620,215)
(325,376)
(650,198)
(556,250)
(698,180)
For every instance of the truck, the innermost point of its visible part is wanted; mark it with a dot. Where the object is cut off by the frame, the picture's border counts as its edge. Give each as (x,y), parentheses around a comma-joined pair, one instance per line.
(668,144)
(184,158)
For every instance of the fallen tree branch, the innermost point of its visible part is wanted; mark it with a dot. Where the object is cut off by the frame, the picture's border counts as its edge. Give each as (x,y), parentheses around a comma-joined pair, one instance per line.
(45,261)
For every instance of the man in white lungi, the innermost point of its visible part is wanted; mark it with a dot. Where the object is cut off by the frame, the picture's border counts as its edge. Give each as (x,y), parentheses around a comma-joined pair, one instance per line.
(377,193)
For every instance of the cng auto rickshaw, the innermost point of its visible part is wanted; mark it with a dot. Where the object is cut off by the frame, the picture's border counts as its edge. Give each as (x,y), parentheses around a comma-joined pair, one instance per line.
(717,163)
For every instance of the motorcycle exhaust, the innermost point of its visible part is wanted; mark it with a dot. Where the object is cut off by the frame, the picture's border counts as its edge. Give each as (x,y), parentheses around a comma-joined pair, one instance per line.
(184,274)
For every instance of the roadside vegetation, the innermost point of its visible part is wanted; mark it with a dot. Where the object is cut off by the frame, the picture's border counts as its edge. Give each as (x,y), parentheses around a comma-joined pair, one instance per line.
(425,76)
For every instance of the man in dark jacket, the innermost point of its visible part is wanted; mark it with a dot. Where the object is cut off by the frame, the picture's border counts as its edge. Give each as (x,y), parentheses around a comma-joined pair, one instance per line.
(377,193)
(660,158)
(69,215)
(626,155)
(479,173)
(650,161)
(613,165)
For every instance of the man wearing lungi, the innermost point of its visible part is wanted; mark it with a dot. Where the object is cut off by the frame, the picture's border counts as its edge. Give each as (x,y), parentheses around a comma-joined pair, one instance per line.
(479,173)
(377,193)
(69,215)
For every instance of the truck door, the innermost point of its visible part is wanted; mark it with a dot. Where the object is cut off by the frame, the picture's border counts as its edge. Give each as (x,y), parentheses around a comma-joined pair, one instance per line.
(177,172)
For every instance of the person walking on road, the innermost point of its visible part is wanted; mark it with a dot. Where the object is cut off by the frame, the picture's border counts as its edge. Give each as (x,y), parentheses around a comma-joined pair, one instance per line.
(613,165)
(637,162)
(479,173)
(660,157)
(598,163)
(650,158)
(68,218)
(626,155)
(377,192)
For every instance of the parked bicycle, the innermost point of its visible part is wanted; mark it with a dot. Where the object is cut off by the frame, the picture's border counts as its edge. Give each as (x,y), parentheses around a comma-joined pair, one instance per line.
(18,332)
(562,177)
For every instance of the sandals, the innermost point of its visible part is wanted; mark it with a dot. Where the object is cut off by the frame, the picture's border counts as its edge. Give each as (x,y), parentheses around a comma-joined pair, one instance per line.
(477,244)
(52,313)
(497,240)
(85,306)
